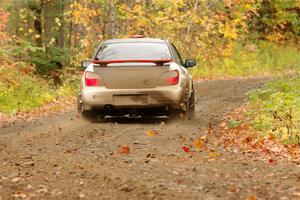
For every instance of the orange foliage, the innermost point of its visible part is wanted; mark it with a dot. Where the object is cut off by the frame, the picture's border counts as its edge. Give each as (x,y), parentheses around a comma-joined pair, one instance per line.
(3,22)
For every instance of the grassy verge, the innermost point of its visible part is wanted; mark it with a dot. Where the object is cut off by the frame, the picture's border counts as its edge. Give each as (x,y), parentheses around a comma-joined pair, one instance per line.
(275,110)
(22,92)
(250,60)
(268,125)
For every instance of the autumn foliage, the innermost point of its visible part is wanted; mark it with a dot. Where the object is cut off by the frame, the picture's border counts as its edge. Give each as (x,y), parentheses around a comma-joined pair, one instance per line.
(210,28)
(4,19)
(4,38)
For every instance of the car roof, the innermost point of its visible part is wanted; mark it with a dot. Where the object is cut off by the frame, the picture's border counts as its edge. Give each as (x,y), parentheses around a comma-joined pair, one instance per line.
(135,40)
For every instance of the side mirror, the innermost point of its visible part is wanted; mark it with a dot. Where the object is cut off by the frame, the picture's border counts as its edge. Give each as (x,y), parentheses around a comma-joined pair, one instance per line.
(190,63)
(85,63)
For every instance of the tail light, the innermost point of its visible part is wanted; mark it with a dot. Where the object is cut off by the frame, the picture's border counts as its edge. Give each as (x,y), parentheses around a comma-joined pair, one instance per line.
(174,78)
(92,79)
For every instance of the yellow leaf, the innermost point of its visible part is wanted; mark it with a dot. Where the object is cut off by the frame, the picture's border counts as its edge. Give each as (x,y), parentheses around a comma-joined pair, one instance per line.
(198,143)
(213,154)
(151,133)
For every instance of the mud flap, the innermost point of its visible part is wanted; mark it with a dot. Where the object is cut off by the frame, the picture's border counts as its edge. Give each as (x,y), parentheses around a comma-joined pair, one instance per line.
(80,107)
(190,107)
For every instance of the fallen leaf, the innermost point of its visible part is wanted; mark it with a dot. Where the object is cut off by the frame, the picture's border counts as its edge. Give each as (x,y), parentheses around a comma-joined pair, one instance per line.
(151,133)
(185,149)
(198,143)
(213,154)
(251,197)
(125,149)
(69,150)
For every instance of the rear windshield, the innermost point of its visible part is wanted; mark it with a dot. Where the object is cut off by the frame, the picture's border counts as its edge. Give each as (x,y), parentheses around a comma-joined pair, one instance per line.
(134,51)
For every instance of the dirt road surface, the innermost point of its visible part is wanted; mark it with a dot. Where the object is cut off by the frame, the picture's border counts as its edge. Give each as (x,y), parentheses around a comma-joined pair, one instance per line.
(63,157)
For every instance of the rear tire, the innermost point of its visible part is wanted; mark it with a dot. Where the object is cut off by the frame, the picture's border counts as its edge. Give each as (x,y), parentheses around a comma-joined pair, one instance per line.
(92,116)
(188,113)
(175,114)
(89,115)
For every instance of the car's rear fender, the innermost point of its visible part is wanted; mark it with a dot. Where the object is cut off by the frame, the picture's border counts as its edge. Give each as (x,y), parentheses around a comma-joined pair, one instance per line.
(159,96)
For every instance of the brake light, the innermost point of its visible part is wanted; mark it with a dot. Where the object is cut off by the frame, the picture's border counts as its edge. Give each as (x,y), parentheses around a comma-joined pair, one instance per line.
(174,79)
(92,79)
(91,82)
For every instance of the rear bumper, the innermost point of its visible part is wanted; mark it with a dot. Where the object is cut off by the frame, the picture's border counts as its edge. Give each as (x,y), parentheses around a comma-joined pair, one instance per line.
(98,97)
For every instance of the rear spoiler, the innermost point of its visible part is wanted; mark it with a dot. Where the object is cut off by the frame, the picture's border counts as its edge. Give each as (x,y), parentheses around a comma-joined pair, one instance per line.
(104,63)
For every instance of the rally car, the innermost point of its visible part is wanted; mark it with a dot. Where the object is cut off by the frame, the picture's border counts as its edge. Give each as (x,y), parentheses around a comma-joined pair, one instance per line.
(136,77)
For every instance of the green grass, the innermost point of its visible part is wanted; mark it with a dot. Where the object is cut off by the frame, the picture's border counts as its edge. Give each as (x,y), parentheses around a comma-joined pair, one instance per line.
(21,92)
(275,109)
(30,94)
(267,58)
(27,95)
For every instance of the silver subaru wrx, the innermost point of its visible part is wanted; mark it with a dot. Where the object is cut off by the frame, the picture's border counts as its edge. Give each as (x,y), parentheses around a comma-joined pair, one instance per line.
(137,77)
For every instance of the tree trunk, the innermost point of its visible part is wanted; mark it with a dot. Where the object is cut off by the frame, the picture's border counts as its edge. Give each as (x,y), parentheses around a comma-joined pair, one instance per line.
(61,36)
(38,24)
(189,30)
(112,19)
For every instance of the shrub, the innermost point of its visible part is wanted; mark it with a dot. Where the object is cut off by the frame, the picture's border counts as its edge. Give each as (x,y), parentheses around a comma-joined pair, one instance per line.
(49,60)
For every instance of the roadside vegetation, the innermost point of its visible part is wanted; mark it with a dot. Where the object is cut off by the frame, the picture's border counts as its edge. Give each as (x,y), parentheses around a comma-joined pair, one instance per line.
(23,92)
(275,109)
(43,42)
(23,85)
(261,59)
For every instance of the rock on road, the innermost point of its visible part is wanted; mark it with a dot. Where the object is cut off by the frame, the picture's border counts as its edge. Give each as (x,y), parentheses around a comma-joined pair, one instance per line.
(63,157)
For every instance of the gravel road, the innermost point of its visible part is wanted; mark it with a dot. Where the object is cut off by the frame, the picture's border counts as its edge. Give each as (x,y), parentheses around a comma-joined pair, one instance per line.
(64,157)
